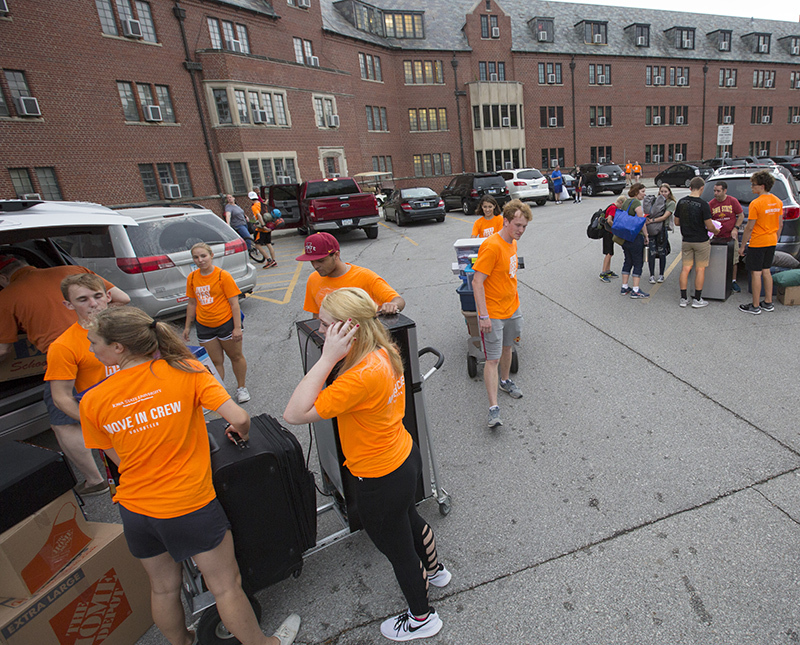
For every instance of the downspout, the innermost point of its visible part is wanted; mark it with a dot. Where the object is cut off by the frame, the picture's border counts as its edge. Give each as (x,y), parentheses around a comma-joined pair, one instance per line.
(703,118)
(458,94)
(192,67)
(574,135)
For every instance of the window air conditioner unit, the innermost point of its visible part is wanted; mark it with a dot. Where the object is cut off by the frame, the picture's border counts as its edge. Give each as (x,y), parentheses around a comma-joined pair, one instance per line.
(284,179)
(234,45)
(553,163)
(796,118)
(304,4)
(313,61)
(333,120)
(681,80)
(31,196)
(551,78)
(763,48)
(542,36)
(132,28)
(641,41)
(172,191)
(333,175)
(152,113)
(493,77)
(656,120)
(763,153)
(726,119)
(601,80)
(601,160)
(601,120)
(678,157)
(730,82)
(679,120)
(656,158)
(724,46)
(506,122)
(795,50)
(3,7)
(509,165)
(658,80)
(495,32)
(27,106)
(793,152)
(553,122)
(259,116)
(687,43)
(598,39)
(765,119)
(767,83)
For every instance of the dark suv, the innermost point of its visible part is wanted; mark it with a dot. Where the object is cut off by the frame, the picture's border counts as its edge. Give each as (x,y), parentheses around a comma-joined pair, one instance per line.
(465,191)
(600,177)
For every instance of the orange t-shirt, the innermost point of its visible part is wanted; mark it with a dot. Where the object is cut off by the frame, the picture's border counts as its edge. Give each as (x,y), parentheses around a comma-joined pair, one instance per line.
(318,287)
(69,358)
(152,416)
(32,304)
(498,260)
(369,403)
(485,227)
(766,209)
(628,168)
(637,169)
(212,292)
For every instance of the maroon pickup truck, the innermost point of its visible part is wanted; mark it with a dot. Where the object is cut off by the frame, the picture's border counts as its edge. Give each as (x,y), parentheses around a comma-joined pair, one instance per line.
(335,204)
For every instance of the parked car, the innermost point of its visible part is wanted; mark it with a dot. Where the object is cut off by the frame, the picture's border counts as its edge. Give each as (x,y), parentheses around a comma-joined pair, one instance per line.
(465,191)
(738,180)
(718,162)
(408,205)
(26,228)
(601,177)
(792,164)
(527,185)
(568,180)
(680,174)
(334,205)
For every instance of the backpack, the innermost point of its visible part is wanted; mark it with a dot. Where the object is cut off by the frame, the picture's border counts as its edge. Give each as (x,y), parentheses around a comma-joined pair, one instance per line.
(597,228)
(609,212)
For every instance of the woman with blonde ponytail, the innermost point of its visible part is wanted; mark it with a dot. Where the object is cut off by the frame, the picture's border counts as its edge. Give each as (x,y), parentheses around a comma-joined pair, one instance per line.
(148,418)
(368,398)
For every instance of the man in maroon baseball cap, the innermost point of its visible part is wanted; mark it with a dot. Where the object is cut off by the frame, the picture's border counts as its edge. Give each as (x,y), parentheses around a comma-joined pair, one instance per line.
(322,250)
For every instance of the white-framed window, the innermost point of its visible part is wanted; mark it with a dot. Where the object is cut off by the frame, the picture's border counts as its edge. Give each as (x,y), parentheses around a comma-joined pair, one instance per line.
(113,15)
(324,110)
(228,35)
(254,105)
(303,51)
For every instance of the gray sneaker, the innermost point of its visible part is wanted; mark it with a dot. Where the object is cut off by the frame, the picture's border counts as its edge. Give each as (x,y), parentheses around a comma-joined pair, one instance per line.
(697,304)
(684,302)
(494,417)
(511,389)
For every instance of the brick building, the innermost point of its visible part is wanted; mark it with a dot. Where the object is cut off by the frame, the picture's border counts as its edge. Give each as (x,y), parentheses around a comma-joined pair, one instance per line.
(135,102)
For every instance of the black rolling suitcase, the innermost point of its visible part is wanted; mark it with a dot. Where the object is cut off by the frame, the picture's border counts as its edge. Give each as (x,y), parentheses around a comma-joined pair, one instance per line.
(269,497)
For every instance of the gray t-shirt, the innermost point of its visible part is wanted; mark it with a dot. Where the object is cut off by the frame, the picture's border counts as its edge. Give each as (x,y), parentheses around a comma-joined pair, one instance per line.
(237,215)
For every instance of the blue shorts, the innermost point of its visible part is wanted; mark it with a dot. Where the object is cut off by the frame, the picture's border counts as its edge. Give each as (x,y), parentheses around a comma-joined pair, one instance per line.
(57,416)
(182,537)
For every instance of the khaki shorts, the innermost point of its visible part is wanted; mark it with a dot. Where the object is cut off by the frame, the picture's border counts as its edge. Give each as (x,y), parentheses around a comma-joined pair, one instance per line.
(696,253)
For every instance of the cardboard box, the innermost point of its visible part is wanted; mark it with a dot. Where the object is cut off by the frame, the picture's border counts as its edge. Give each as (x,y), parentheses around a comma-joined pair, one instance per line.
(24,360)
(103,596)
(37,548)
(471,318)
(789,295)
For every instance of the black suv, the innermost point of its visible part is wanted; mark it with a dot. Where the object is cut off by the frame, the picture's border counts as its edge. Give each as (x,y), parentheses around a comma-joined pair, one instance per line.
(600,177)
(465,191)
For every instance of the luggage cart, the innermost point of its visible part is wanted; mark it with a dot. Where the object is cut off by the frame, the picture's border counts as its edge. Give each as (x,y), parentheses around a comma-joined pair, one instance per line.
(337,480)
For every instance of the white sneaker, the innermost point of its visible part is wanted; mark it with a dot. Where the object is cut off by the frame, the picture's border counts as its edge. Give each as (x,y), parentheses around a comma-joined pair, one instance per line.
(242,395)
(287,632)
(660,278)
(684,302)
(406,628)
(441,578)
(652,279)
(696,304)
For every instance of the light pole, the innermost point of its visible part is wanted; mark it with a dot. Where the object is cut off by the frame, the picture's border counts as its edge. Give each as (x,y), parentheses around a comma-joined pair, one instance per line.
(458,94)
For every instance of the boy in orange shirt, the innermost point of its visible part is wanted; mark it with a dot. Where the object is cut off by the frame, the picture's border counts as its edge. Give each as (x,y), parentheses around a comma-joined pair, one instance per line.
(497,303)
(764,220)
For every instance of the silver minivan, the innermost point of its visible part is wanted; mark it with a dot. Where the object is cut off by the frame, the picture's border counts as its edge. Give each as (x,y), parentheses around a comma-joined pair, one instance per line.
(151,261)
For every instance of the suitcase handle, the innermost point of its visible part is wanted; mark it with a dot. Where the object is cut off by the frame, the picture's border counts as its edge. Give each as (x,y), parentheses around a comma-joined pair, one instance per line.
(439,360)
(212,442)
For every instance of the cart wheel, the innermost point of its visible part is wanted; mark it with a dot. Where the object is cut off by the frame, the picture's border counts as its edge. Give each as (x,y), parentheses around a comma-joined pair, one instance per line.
(445,505)
(211,631)
(514,362)
(472,366)
(256,255)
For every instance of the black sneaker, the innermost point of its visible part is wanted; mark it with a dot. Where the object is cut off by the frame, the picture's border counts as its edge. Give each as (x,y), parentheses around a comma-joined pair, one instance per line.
(750,309)
(767,306)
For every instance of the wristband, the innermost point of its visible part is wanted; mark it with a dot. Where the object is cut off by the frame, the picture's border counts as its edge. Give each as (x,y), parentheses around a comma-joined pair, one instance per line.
(483,317)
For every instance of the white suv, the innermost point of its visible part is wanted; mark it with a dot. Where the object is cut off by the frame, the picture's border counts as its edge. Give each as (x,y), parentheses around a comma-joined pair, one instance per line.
(527,185)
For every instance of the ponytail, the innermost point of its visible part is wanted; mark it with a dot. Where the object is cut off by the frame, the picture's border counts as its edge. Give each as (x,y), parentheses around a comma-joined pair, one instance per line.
(142,336)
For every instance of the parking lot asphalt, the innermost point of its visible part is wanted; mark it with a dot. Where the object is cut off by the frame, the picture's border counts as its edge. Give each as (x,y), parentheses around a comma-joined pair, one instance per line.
(644,490)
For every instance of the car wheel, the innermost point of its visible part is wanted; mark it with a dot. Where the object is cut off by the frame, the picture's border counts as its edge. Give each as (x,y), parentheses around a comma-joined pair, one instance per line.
(402,219)
(618,192)
(372,232)
(590,190)
(465,207)
(440,218)
(687,182)
(541,202)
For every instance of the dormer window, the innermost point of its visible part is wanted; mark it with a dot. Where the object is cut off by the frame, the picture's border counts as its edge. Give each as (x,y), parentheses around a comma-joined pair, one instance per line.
(543,30)
(594,32)
(403,25)
(762,43)
(724,40)
(794,46)
(368,18)
(642,35)
(684,38)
